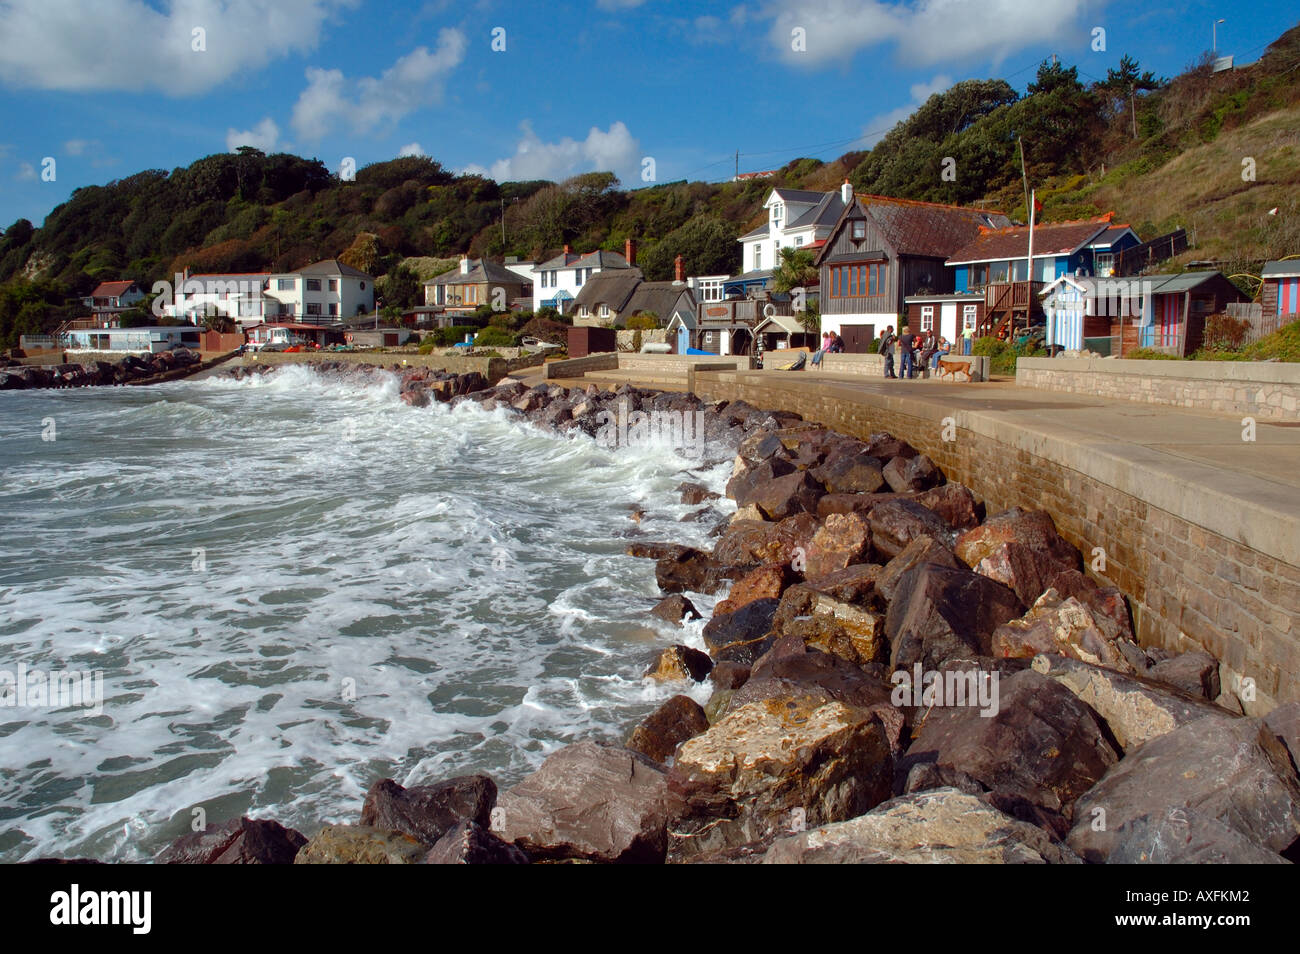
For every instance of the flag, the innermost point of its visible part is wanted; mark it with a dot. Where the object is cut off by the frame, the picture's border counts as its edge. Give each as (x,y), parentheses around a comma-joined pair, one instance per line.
(1038,206)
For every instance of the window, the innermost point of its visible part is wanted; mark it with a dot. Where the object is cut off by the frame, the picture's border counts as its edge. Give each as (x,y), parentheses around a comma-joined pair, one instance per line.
(577,276)
(334,308)
(927,318)
(798,240)
(859,229)
(589,274)
(978,276)
(858,281)
(778,213)
(758,257)
(284,284)
(363,286)
(334,284)
(313,284)
(555,279)
(604,311)
(968,316)
(1104,264)
(313,308)
(471,294)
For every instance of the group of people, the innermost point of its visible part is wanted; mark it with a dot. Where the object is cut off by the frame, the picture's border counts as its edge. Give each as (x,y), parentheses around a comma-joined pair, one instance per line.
(832,343)
(912,352)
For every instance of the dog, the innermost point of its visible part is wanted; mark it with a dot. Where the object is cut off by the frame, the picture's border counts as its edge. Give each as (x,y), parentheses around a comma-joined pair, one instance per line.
(952,367)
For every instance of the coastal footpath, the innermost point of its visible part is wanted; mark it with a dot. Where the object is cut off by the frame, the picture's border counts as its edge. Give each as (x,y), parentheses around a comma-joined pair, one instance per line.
(899,672)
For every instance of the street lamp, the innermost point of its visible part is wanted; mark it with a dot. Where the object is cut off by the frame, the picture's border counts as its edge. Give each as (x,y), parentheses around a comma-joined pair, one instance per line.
(1214,34)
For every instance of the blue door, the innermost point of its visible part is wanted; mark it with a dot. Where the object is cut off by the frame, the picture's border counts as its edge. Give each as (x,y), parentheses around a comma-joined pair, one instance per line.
(683,339)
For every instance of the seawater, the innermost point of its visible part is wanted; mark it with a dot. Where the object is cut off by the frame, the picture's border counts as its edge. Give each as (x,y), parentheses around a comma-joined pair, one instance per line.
(295,585)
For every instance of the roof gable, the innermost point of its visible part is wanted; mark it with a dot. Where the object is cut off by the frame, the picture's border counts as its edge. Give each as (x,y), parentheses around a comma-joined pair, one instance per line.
(1050,239)
(912,227)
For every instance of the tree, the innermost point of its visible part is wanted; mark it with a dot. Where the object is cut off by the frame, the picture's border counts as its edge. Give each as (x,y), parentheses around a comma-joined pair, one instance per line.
(402,287)
(363,253)
(706,244)
(794,270)
(1124,84)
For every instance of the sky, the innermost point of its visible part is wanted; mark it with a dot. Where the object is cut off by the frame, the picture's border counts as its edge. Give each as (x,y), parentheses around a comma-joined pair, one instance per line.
(656,91)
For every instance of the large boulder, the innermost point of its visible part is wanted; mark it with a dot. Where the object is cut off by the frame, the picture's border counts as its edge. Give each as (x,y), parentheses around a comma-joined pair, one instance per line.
(943,826)
(781,497)
(921,550)
(1184,836)
(360,845)
(686,568)
(590,802)
(1284,722)
(775,765)
(789,668)
(941,613)
(853,584)
(744,635)
(896,523)
(820,621)
(1231,770)
(675,608)
(1195,672)
(764,583)
(241,841)
(754,543)
(1040,747)
(469,843)
(1135,709)
(1020,548)
(658,734)
(911,475)
(842,540)
(744,480)
(954,503)
(851,474)
(853,503)
(1060,625)
(427,812)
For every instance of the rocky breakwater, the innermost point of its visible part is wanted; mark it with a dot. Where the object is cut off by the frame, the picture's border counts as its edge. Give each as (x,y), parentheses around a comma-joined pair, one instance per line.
(132,369)
(417,387)
(895,676)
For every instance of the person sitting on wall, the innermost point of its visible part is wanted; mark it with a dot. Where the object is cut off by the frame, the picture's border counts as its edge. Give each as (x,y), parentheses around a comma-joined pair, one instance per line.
(817,355)
(837,343)
(929,344)
(942,350)
(887,349)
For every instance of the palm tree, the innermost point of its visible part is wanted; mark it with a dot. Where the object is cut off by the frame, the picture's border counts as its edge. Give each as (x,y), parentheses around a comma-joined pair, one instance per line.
(794,269)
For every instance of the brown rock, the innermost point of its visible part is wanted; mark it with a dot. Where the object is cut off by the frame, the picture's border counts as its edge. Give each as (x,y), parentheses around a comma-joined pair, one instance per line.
(689,569)
(844,539)
(589,802)
(851,632)
(940,613)
(749,626)
(954,503)
(359,845)
(675,609)
(729,675)
(679,662)
(896,523)
(1020,548)
(766,582)
(241,841)
(696,493)
(1196,672)
(851,503)
(754,544)
(658,734)
(922,549)
(1064,626)
(781,497)
(853,584)
(850,474)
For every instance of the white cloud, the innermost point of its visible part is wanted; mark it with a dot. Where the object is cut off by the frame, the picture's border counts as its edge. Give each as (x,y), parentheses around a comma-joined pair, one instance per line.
(264,136)
(77,147)
(924,33)
(130,45)
(26,172)
(920,92)
(361,105)
(615,5)
(410,149)
(614,149)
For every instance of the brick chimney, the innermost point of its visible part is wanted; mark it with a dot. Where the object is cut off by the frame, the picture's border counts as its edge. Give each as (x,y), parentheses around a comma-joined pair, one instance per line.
(567,251)
(629,251)
(679,270)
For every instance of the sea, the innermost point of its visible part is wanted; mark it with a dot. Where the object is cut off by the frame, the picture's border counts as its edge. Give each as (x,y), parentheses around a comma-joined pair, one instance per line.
(291,586)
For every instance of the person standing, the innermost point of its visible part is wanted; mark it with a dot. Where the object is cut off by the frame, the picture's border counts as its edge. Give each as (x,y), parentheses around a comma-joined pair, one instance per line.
(906,349)
(887,349)
(967,334)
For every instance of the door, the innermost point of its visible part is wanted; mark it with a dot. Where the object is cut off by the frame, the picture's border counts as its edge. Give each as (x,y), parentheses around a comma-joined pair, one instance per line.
(683,339)
(948,321)
(857,338)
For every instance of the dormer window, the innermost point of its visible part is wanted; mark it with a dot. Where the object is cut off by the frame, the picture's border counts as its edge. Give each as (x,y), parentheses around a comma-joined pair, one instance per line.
(778,212)
(859,229)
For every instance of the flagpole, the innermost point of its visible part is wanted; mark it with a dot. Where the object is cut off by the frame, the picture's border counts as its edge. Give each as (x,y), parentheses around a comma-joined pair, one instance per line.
(1029,284)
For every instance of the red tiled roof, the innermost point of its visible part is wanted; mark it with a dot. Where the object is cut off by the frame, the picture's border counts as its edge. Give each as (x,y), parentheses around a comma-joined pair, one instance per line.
(1053,238)
(111,289)
(931,229)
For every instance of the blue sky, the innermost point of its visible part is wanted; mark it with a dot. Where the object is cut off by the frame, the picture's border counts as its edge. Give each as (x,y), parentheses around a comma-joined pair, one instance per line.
(110,87)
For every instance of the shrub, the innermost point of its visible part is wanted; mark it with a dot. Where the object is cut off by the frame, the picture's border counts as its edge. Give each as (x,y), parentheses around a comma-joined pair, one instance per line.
(545,329)
(1225,332)
(494,336)
(503,319)
(636,339)
(642,322)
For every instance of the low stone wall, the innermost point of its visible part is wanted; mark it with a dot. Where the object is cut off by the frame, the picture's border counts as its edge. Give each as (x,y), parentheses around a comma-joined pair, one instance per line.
(494,369)
(577,367)
(680,363)
(1200,569)
(842,363)
(1264,390)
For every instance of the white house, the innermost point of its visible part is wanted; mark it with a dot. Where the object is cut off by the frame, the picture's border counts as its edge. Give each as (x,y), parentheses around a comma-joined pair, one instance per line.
(327,289)
(135,340)
(557,281)
(110,299)
(795,219)
(237,295)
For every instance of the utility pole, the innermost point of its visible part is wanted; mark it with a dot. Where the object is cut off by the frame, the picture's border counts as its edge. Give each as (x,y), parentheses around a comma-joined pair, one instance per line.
(1214,34)
(1024,176)
(737,165)
(503,224)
